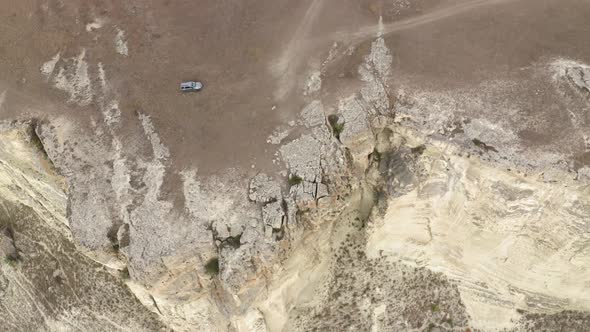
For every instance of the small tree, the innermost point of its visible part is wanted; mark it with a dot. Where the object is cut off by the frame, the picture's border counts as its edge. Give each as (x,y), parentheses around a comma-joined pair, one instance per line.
(124,273)
(337,126)
(212,266)
(11,260)
(294,180)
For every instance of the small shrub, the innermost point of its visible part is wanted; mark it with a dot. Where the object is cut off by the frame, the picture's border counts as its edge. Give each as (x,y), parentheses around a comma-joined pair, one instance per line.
(36,142)
(419,149)
(294,180)
(483,145)
(431,327)
(375,156)
(333,119)
(212,266)
(337,127)
(125,273)
(11,260)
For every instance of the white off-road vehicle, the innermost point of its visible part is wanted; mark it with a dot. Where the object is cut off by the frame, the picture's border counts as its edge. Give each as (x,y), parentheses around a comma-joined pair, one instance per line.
(190,86)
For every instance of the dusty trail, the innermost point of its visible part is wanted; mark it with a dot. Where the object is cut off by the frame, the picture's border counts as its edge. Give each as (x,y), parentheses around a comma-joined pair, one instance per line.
(373,30)
(286,67)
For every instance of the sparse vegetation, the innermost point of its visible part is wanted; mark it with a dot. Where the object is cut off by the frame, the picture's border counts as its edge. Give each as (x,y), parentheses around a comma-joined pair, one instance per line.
(294,180)
(212,266)
(10,260)
(337,129)
(483,145)
(418,149)
(124,273)
(449,321)
(337,126)
(35,140)
(375,156)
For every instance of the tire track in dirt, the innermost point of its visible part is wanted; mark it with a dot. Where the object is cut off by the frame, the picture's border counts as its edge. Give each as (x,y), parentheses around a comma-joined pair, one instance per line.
(374,30)
(285,69)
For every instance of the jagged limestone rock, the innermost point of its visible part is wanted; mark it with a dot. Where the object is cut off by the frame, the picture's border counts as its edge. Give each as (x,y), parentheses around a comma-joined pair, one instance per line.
(252,233)
(291,212)
(279,134)
(241,263)
(313,84)
(312,155)
(313,114)
(321,190)
(52,282)
(264,189)
(580,75)
(357,134)
(303,156)
(272,214)
(304,194)
(51,285)
(374,72)
(87,170)
(357,113)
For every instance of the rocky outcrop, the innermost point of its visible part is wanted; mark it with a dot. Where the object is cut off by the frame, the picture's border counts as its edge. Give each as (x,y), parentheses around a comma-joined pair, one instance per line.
(313,114)
(459,211)
(472,236)
(264,189)
(46,283)
(577,73)
(356,133)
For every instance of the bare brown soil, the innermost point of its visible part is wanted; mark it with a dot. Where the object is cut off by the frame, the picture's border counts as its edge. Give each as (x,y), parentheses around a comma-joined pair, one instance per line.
(234,47)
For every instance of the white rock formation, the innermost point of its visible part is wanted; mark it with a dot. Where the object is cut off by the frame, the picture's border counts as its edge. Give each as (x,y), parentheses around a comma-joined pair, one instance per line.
(313,114)
(48,67)
(95,25)
(74,80)
(50,285)
(314,83)
(509,241)
(121,43)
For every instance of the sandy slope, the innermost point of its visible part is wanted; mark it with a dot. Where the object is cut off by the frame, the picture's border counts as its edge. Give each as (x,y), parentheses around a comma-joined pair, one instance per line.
(509,241)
